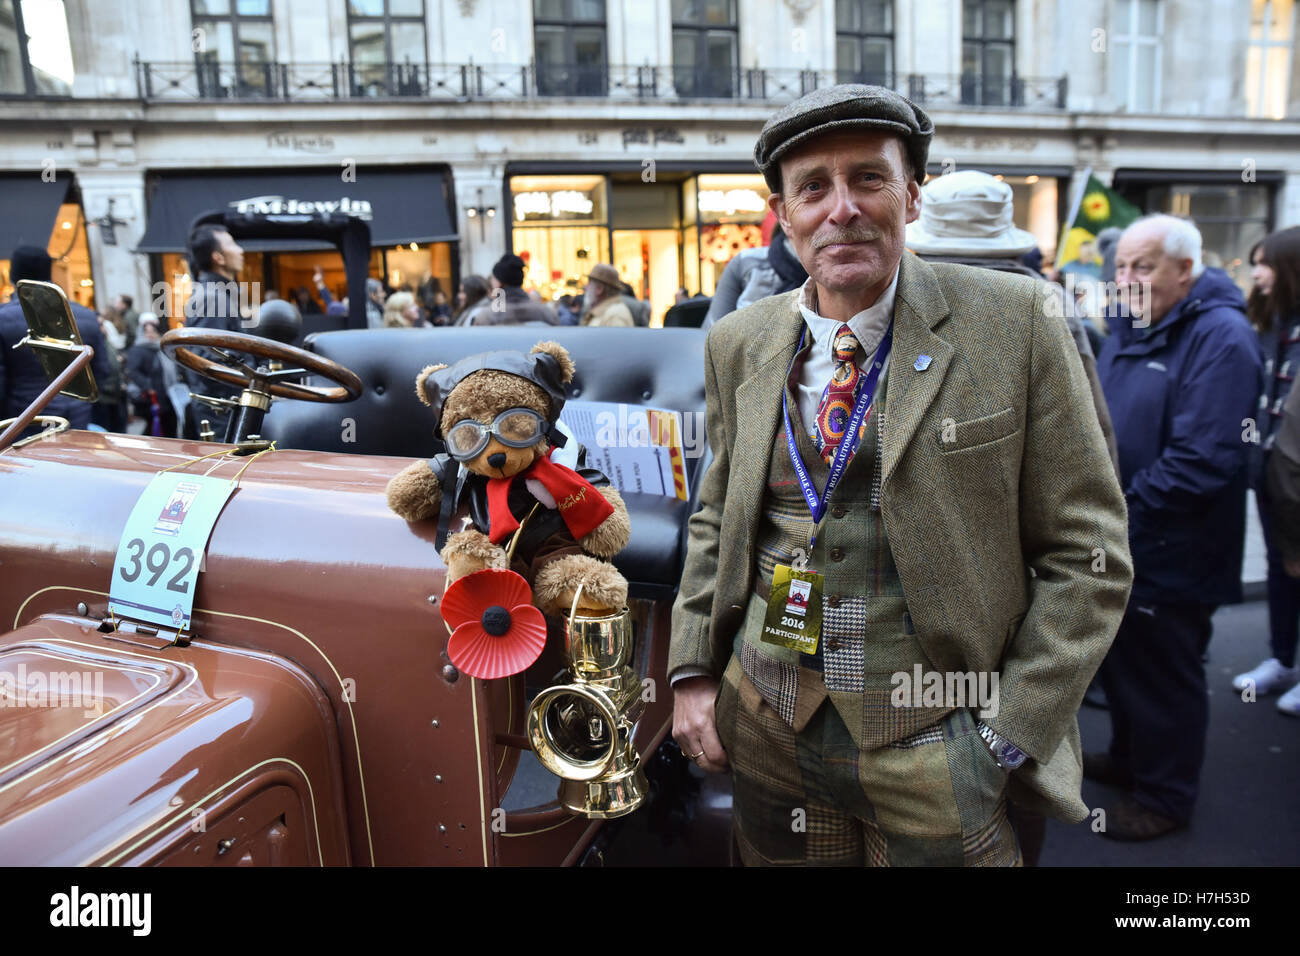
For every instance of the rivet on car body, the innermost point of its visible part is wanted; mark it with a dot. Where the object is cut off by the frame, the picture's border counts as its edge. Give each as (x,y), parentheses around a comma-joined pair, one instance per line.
(82,609)
(442,828)
(450,673)
(437,777)
(433,599)
(435,722)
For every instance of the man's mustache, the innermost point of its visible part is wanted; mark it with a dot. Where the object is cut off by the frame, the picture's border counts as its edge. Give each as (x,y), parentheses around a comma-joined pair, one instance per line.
(846,235)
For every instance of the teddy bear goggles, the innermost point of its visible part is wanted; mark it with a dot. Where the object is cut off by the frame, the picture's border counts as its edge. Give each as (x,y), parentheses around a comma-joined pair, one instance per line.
(515,427)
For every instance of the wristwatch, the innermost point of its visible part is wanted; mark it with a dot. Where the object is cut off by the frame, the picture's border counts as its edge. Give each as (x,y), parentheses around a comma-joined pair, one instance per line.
(1007,754)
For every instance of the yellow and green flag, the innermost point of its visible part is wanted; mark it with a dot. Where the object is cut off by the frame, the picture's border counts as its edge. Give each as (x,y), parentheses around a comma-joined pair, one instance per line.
(1096,208)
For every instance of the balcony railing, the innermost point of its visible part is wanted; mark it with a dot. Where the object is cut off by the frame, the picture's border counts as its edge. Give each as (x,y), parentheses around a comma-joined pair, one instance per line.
(207,80)
(973,89)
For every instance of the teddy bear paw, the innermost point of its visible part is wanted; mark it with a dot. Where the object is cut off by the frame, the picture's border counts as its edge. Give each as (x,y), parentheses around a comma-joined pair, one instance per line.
(599,587)
(470,551)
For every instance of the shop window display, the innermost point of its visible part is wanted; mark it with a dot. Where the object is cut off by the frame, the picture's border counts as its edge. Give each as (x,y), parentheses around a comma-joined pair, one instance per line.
(67,247)
(730,208)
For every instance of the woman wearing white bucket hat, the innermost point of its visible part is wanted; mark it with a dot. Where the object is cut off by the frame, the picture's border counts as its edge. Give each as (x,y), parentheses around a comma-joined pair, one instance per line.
(967,217)
(967,214)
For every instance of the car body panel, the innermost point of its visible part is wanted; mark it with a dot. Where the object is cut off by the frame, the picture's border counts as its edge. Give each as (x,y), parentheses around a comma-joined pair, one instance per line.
(307,572)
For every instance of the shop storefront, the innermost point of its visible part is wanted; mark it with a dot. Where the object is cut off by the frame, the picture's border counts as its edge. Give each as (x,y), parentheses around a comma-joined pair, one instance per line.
(730,211)
(679,230)
(408,208)
(1232,215)
(47,213)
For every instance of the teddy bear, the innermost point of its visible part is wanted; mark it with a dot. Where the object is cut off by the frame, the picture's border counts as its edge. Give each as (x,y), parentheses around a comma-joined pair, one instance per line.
(557,526)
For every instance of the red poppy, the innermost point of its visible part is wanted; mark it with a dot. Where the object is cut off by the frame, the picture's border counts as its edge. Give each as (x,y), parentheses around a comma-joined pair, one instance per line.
(496,631)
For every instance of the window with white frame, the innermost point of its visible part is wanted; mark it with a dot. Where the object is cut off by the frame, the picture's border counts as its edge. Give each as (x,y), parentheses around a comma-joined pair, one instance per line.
(864,41)
(1268,58)
(1135,54)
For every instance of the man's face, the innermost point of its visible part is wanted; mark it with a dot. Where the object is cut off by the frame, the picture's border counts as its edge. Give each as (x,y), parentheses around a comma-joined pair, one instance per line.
(229,258)
(1152,281)
(844,202)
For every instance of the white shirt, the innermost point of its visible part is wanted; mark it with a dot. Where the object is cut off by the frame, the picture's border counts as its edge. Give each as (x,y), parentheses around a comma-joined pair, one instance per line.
(869,326)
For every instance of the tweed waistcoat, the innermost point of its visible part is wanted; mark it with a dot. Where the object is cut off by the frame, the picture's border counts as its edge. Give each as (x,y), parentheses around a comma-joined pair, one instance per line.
(866,632)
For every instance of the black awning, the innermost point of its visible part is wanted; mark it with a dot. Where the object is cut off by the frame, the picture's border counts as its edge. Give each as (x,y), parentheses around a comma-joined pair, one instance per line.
(30,206)
(401,204)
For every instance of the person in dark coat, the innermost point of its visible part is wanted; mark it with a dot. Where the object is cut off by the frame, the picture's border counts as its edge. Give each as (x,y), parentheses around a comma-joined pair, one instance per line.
(1274,308)
(216,260)
(22,377)
(1181,373)
(755,274)
(508,304)
(150,375)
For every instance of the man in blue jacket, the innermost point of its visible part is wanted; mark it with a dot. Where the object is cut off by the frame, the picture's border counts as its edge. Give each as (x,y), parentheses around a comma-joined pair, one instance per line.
(1181,374)
(22,377)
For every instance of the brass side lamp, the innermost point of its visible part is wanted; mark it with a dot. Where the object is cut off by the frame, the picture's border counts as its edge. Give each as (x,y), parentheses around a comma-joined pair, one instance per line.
(581,730)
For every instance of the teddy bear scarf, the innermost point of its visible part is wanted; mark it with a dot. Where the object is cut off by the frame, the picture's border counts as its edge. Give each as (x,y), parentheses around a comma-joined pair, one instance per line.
(581,506)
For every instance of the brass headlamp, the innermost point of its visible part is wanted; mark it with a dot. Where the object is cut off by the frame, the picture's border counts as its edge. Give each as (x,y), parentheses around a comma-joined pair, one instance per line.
(581,731)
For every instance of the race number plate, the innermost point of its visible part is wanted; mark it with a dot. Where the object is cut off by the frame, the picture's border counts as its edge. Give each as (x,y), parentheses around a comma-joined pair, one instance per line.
(794,609)
(158,558)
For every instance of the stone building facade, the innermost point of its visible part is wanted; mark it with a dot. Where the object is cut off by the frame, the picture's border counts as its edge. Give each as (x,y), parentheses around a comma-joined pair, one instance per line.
(580,131)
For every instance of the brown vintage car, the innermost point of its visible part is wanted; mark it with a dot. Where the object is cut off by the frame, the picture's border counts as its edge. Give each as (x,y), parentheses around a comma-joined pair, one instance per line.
(310,714)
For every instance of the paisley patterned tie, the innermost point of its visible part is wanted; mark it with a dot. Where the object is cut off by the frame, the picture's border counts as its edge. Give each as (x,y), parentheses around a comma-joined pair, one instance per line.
(839,397)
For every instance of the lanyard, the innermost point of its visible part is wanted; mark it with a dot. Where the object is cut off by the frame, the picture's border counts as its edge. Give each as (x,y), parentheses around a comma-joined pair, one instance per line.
(847,445)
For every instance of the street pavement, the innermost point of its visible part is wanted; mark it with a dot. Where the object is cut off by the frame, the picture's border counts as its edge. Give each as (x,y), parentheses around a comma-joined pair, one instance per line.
(1246,814)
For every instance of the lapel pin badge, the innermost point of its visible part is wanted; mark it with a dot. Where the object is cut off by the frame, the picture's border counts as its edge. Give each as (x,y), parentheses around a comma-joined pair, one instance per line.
(922,363)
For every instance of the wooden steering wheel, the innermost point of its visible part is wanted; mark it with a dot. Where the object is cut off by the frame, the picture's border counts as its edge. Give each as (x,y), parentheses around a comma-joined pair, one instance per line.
(180,343)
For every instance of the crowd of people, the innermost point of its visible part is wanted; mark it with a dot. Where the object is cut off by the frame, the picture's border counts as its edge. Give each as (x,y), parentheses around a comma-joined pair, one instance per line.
(499,299)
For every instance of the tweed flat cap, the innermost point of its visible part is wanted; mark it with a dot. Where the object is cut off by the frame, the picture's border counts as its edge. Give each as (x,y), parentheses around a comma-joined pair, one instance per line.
(835,108)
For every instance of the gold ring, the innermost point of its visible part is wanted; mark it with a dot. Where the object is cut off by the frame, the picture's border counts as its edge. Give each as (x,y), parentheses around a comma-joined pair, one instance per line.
(696,756)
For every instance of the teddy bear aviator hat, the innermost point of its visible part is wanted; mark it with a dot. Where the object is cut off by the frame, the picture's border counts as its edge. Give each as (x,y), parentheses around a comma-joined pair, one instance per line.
(540,368)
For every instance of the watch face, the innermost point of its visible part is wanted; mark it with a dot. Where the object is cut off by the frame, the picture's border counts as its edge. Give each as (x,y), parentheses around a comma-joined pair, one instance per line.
(1012,756)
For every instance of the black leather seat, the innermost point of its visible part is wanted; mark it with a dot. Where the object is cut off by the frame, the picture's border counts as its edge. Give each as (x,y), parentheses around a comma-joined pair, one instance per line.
(663,368)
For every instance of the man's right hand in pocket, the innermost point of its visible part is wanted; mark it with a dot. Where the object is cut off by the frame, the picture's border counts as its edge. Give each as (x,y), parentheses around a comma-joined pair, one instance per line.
(694,727)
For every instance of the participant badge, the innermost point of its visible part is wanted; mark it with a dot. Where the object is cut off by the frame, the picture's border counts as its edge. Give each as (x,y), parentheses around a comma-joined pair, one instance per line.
(794,609)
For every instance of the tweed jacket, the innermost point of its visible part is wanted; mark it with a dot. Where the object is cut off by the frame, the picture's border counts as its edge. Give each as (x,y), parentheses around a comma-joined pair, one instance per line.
(1005,519)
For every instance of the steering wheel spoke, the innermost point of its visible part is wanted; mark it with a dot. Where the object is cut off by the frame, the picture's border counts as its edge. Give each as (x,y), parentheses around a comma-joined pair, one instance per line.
(233,360)
(283,374)
(214,402)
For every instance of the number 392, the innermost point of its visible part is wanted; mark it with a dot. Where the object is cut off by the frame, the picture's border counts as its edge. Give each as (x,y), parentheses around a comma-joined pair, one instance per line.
(157,560)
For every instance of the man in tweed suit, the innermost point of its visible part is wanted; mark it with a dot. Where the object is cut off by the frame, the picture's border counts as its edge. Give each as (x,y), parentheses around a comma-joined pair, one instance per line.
(978,532)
